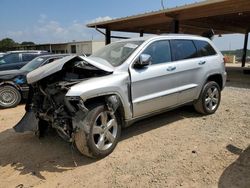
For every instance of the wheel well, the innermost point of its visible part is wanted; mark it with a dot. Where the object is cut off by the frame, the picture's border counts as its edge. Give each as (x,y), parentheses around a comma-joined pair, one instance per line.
(216,78)
(12,85)
(93,101)
(102,100)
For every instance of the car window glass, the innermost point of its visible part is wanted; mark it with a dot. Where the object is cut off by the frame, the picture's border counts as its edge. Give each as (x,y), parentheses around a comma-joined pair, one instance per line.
(204,48)
(116,53)
(159,51)
(10,58)
(35,63)
(28,57)
(183,49)
(51,60)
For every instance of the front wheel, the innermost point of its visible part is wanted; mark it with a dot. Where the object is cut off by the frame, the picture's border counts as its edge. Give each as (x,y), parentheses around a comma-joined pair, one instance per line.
(100,134)
(9,97)
(209,99)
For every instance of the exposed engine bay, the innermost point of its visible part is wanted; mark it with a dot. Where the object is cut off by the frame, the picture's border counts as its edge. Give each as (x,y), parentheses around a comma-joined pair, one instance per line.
(47,104)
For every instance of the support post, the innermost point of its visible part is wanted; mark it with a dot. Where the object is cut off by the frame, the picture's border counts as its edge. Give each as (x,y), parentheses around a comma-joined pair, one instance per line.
(108,36)
(244,56)
(176,26)
(141,33)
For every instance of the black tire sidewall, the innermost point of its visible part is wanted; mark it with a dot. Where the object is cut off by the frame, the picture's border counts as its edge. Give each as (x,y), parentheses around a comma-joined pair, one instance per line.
(18,94)
(90,141)
(207,86)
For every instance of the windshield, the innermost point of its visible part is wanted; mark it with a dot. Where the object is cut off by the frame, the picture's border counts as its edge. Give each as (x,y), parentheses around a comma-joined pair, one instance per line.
(116,53)
(35,63)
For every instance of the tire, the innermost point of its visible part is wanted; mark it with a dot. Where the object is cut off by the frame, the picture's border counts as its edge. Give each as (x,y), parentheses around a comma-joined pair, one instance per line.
(104,130)
(209,99)
(9,97)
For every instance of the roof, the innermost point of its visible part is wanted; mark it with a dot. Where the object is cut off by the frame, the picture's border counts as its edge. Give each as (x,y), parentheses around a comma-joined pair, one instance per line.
(53,55)
(224,16)
(26,51)
(166,36)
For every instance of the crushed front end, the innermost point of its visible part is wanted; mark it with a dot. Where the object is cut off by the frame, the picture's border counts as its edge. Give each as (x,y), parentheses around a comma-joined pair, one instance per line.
(47,104)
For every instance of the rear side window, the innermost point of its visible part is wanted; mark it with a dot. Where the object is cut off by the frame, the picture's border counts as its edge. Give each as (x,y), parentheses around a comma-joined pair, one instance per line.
(204,48)
(183,49)
(10,58)
(159,51)
(28,57)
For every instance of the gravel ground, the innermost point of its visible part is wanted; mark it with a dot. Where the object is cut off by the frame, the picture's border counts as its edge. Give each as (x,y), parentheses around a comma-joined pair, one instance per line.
(175,149)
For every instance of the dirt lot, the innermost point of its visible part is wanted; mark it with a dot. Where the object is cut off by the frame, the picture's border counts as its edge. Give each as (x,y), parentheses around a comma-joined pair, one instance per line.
(175,149)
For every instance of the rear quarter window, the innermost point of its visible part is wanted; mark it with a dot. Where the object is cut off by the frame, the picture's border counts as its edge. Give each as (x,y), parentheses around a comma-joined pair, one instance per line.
(183,49)
(204,48)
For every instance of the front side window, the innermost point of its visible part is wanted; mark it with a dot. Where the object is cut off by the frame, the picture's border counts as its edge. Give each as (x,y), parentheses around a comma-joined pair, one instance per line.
(116,53)
(204,48)
(159,51)
(183,49)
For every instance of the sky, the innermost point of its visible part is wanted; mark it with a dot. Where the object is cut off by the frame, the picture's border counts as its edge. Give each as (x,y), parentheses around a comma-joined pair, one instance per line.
(51,21)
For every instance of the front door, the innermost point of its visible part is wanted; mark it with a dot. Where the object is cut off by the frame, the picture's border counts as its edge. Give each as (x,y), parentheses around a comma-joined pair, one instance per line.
(154,87)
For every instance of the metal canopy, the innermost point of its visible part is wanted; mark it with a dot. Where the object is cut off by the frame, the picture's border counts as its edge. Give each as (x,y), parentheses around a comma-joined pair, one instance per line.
(223,16)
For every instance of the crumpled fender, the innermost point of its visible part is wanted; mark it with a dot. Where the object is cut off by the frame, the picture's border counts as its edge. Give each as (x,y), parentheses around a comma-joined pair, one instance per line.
(29,122)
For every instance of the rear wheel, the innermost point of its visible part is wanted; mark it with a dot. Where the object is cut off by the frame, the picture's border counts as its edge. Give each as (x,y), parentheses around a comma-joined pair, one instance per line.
(209,99)
(9,97)
(103,133)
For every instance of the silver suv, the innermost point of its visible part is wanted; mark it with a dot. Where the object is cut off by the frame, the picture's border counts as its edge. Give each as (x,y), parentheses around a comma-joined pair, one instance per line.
(89,99)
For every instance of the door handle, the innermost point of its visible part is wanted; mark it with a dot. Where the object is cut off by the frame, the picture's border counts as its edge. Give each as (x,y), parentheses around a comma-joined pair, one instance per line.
(171,68)
(202,62)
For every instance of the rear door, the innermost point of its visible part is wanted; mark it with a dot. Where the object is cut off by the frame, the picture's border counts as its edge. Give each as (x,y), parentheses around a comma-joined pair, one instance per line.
(154,87)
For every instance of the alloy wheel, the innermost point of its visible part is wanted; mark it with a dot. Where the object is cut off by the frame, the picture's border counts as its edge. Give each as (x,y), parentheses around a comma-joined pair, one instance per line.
(212,98)
(105,130)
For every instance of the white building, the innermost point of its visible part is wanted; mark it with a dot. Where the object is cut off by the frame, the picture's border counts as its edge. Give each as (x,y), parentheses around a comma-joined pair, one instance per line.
(79,48)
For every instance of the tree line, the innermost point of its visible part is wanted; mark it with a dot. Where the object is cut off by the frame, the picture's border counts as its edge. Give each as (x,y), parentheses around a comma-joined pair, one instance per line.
(7,44)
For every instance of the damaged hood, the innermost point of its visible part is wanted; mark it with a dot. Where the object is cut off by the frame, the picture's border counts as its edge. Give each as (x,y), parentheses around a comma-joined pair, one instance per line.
(9,74)
(58,65)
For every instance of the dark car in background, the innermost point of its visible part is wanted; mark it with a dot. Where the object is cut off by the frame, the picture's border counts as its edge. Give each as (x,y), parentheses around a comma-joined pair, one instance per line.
(13,84)
(17,59)
(2,54)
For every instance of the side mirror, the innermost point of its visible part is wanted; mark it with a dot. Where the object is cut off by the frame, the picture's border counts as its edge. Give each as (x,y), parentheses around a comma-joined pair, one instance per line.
(144,60)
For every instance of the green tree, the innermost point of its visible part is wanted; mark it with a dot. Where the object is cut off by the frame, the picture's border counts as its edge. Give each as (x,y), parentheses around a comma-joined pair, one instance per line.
(27,43)
(6,44)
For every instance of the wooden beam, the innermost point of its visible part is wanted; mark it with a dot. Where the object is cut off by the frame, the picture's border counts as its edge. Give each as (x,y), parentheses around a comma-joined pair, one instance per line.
(216,9)
(143,22)
(215,25)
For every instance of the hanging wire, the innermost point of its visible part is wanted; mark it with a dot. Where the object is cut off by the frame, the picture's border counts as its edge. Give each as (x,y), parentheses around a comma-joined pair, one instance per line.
(162,4)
